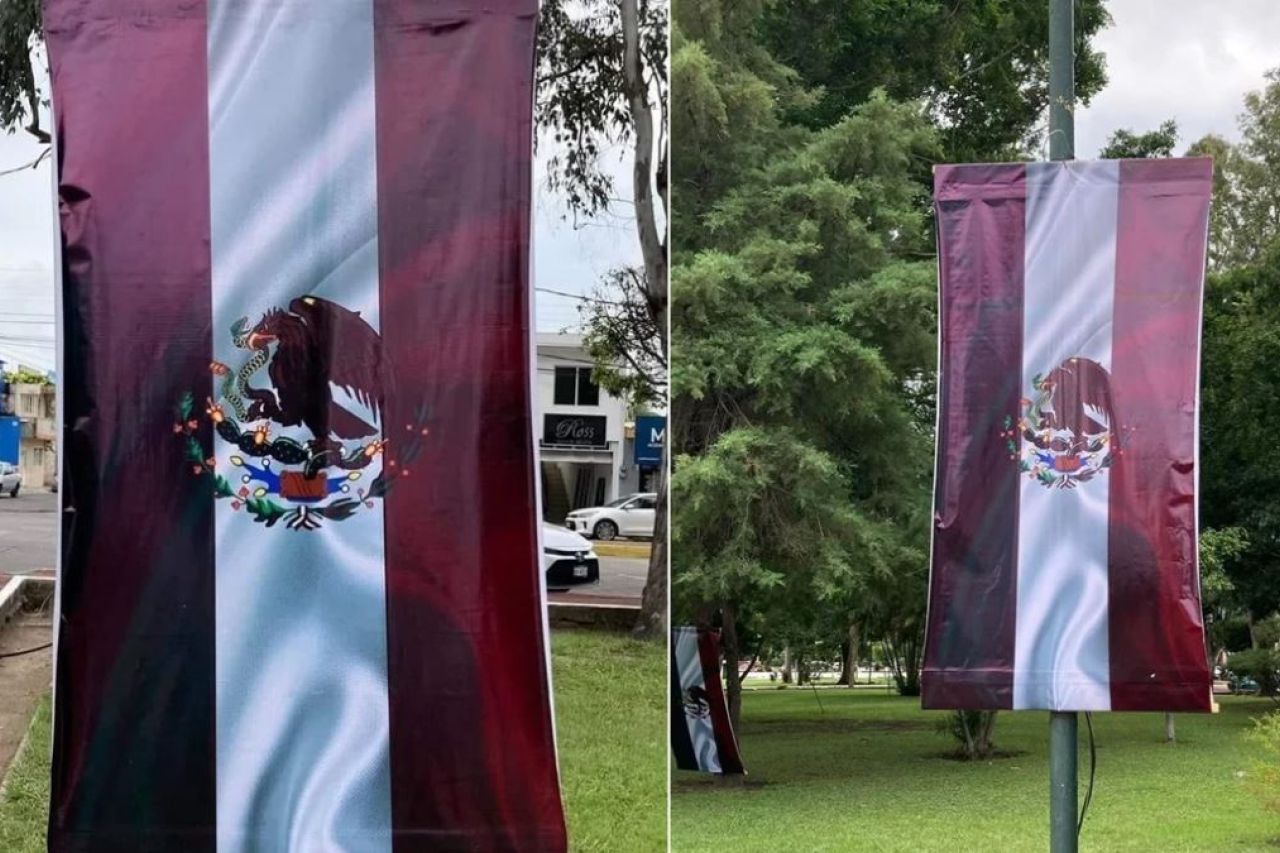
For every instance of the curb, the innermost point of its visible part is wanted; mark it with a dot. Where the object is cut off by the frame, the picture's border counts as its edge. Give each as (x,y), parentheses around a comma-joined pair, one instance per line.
(622,549)
(608,617)
(18,591)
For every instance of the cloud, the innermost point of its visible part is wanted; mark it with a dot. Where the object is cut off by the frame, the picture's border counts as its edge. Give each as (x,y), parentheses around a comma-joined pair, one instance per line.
(1187,60)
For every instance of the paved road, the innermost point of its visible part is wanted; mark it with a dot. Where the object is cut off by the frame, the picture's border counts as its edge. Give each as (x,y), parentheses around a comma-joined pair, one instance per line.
(28,532)
(621,582)
(28,540)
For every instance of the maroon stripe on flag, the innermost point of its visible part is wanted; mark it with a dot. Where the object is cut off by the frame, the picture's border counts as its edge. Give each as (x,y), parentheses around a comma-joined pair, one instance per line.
(721,727)
(133,764)
(472,751)
(969,644)
(1156,634)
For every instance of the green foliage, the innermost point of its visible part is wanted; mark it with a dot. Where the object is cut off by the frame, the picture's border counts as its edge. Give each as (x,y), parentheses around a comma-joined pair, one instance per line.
(803,311)
(581,108)
(1245,219)
(981,66)
(1265,779)
(621,334)
(26,376)
(221,487)
(1125,144)
(20,29)
(1262,665)
(186,405)
(1218,549)
(264,510)
(972,732)
(758,507)
(1240,478)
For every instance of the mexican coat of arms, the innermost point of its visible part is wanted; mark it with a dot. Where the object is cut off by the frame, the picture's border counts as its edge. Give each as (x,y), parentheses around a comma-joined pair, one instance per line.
(306,351)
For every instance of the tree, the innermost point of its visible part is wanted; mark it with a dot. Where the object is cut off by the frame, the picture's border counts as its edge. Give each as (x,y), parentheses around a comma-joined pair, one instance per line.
(1125,144)
(601,82)
(622,336)
(980,66)
(757,511)
(801,339)
(20,30)
(1246,210)
(1240,483)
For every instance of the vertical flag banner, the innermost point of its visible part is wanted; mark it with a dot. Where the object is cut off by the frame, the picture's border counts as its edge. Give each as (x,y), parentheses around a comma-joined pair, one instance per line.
(301,607)
(701,735)
(1064,571)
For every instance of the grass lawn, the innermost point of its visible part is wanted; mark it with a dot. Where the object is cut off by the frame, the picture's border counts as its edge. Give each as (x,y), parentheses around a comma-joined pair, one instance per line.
(611,725)
(866,772)
(24,803)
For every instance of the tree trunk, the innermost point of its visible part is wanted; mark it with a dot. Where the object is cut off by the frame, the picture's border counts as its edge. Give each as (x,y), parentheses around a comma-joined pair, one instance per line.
(653,607)
(1170,735)
(853,646)
(988,724)
(652,245)
(786,664)
(652,624)
(844,663)
(729,647)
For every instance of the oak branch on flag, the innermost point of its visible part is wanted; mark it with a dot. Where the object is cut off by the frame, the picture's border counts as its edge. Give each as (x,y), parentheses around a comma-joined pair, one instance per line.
(1064,562)
(300,598)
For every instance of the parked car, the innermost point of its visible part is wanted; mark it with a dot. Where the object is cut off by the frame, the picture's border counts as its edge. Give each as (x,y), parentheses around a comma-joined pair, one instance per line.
(567,558)
(10,479)
(629,516)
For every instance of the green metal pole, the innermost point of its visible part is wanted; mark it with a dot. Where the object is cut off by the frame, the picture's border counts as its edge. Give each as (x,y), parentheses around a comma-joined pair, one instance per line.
(1062,80)
(1063,725)
(1062,781)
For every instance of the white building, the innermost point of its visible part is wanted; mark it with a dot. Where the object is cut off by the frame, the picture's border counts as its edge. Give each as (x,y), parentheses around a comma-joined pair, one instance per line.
(580,427)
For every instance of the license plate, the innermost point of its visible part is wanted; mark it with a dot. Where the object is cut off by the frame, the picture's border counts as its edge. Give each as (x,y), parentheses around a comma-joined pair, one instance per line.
(580,570)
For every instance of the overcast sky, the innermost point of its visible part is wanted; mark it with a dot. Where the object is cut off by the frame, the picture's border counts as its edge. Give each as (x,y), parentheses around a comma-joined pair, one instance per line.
(1189,60)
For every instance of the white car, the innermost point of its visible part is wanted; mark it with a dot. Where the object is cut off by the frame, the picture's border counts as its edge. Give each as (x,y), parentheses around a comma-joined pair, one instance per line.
(567,558)
(629,516)
(10,479)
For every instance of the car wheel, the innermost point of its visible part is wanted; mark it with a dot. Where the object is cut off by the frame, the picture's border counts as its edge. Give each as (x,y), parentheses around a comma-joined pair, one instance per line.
(605,530)
(14,493)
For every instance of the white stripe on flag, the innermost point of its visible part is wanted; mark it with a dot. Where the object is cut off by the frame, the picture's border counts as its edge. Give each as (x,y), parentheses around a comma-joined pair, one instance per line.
(1061,654)
(302,716)
(701,732)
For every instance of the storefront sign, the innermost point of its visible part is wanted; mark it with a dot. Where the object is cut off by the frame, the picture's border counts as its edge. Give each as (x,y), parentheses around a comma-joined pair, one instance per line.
(650,434)
(578,430)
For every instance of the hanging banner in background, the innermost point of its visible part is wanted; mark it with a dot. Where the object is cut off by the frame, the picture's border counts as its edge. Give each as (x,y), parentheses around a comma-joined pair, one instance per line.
(701,735)
(299,577)
(1064,571)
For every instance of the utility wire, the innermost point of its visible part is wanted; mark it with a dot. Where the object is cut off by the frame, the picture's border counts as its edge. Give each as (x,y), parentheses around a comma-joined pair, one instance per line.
(29,651)
(1093,766)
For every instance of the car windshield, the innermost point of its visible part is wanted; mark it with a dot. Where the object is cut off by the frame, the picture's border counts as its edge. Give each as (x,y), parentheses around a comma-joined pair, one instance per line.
(619,501)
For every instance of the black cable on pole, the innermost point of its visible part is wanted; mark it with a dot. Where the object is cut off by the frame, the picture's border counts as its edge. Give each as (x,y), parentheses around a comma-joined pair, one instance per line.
(1093,766)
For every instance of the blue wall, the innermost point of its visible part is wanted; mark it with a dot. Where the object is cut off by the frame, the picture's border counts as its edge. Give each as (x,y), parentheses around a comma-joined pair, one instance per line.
(10,434)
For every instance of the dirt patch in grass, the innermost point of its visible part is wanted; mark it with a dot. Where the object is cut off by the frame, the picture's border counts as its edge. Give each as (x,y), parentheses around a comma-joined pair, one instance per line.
(958,755)
(785,726)
(708,783)
(23,679)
